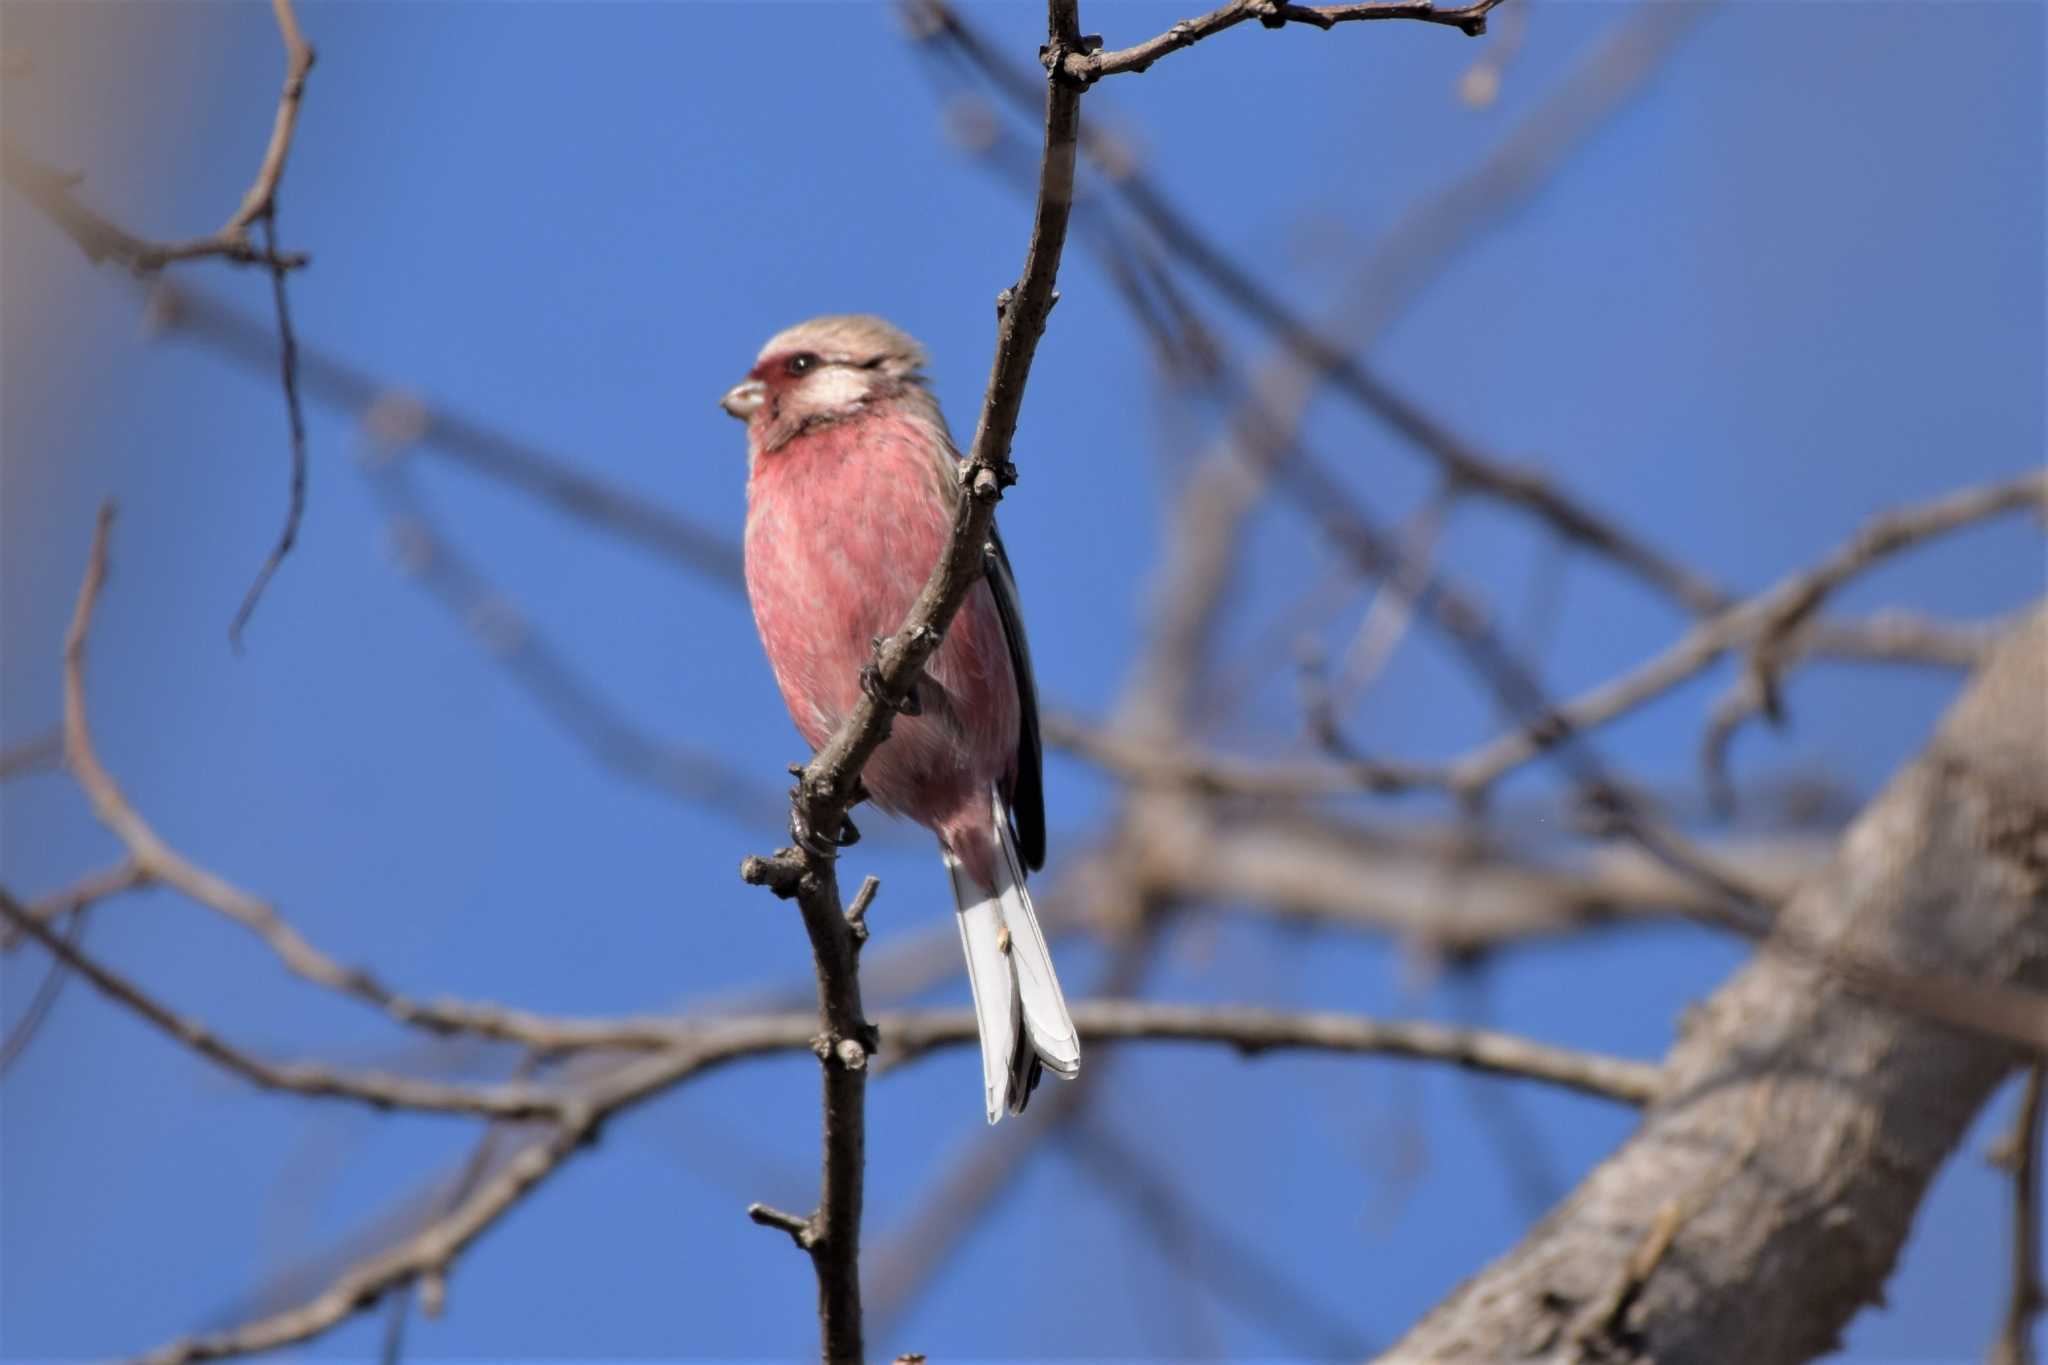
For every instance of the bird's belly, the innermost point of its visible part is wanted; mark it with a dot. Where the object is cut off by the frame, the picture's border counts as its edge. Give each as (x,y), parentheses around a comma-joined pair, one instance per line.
(837,549)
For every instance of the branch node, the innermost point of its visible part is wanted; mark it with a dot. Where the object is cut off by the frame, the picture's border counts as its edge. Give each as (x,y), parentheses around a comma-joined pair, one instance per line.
(857,913)
(781,873)
(802,1231)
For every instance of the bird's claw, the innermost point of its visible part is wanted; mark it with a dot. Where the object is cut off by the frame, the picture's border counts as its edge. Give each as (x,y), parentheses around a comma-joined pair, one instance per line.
(812,843)
(805,838)
(871,683)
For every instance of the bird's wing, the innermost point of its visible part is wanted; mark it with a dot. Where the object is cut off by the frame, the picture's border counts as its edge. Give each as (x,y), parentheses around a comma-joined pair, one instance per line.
(1027,793)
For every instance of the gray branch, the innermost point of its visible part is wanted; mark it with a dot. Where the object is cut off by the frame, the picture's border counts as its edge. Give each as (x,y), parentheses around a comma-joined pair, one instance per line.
(1764,1199)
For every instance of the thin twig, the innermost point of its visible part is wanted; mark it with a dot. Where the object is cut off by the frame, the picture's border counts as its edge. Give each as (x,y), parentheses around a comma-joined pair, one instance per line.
(565,692)
(261,199)
(1254,1032)
(1089,67)
(45,999)
(86,891)
(1206,1250)
(1740,625)
(609,509)
(153,860)
(101,239)
(1392,608)
(295,413)
(2020,1154)
(1772,643)
(431,1249)
(44,753)
(260,204)
(1777,610)
(1460,460)
(375,1089)
(431,1289)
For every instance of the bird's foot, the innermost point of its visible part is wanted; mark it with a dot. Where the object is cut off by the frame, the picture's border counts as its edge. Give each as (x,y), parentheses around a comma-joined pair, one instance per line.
(871,683)
(806,838)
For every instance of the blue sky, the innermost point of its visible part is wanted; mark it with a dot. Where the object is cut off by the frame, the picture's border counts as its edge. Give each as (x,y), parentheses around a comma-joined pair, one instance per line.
(1798,282)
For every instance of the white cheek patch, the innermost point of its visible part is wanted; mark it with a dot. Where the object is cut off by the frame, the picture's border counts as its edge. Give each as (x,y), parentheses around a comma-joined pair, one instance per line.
(835,386)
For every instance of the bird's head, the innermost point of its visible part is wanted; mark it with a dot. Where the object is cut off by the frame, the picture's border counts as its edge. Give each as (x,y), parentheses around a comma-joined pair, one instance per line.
(823,371)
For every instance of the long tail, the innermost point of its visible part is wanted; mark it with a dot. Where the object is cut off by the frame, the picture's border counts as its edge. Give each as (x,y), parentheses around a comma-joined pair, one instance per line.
(1017,1002)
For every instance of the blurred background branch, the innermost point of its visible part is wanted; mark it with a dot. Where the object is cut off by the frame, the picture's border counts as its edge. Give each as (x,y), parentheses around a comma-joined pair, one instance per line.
(1280,708)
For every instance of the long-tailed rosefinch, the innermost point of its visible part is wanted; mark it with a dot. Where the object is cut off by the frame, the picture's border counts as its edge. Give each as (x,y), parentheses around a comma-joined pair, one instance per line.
(852,482)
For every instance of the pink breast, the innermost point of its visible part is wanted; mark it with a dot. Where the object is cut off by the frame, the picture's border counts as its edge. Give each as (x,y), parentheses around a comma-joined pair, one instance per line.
(844,525)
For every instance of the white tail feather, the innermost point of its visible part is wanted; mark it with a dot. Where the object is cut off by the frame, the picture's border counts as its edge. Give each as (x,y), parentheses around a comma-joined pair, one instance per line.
(1022,1017)
(995,988)
(1046,1021)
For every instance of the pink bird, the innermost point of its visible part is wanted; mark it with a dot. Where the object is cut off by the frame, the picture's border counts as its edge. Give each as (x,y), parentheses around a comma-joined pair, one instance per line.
(852,482)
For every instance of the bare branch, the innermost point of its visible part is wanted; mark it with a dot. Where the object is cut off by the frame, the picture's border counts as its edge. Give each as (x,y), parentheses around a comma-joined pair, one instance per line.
(426,1255)
(1746,623)
(295,414)
(1941,875)
(1461,461)
(565,692)
(1740,625)
(430,1250)
(101,239)
(261,199)
(42,754)
(153,860)
(1256,1031)
(51,190)
(1885,637)
(802,1231)
(1212,774)
(1315,868)
(1204,1249)
(1878,539)
(86,891)
(374,1089)
(629,514)
(2020,1153)
(1089,67)
(44,1000)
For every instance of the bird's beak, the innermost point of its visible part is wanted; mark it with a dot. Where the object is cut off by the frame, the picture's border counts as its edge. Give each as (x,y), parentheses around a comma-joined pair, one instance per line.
(744,400)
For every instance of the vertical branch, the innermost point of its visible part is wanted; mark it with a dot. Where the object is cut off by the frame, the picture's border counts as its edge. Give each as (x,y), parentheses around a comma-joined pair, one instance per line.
(295,413)
(260,205)
(2020,1153)
(829,785)
(261,199)
(1024,309)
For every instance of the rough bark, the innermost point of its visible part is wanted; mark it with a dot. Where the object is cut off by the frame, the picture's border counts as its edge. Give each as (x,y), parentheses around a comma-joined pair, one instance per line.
(1763,1202)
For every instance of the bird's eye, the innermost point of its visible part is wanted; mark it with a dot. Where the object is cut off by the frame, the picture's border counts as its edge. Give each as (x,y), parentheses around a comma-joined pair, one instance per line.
(800,364)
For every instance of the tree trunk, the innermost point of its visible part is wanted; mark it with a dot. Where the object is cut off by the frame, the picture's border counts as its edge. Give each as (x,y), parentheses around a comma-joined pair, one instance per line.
(1763,1202)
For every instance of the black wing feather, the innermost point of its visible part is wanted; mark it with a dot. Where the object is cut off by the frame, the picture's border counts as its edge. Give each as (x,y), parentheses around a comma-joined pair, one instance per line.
(1027,794)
